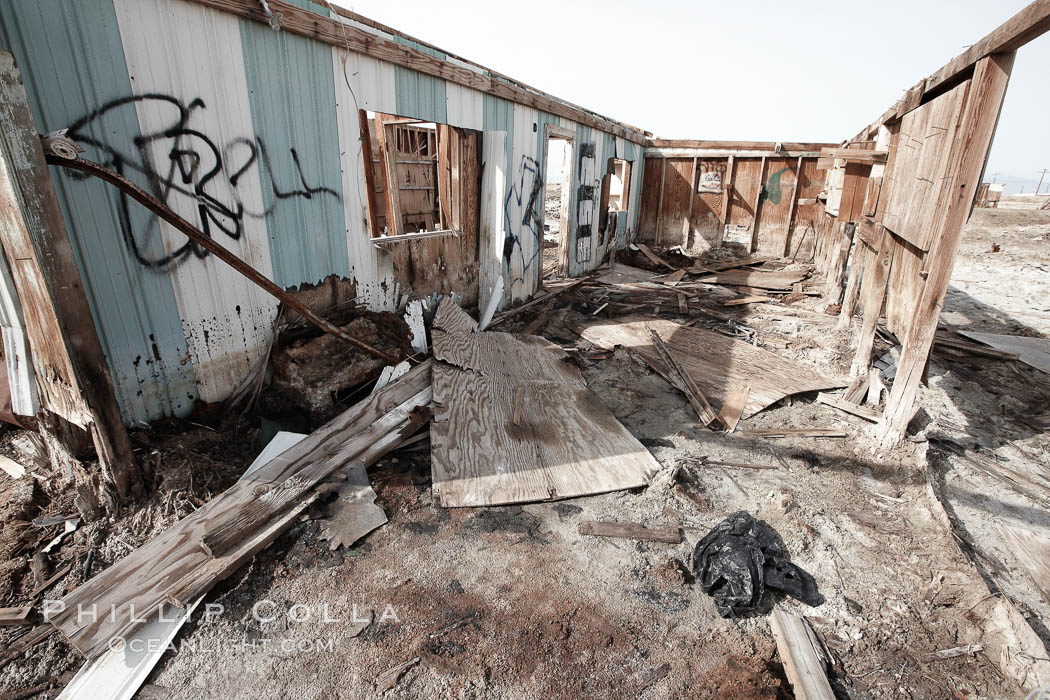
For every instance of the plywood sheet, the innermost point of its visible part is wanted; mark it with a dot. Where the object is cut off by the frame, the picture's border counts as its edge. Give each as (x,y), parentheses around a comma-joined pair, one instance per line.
(921,170)
(1034,352)
(716,363)
(514,421)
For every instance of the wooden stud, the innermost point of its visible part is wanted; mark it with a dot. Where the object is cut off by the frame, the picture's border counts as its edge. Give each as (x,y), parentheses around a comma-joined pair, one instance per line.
(727,196)
(394,221)
(793,211)
(370,185)
(687,225)
(660,202)
(758,205)
(72,372)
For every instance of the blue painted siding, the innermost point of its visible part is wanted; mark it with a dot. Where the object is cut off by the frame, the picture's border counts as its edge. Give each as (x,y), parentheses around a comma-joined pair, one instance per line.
(78,66)
(291,91)
(418,95)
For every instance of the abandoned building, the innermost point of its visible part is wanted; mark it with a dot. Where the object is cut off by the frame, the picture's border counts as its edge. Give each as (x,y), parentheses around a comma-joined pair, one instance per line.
(319,386)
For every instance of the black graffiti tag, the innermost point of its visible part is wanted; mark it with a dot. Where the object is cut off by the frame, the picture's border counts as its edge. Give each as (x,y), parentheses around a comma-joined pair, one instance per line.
(193,165)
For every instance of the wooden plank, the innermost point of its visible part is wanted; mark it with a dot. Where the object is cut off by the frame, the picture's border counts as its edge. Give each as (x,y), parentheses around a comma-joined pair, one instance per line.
(716,363)
(747,300)
(772,146)
(873,292)
(654,258)
(733,408)
(793,210)
(772,433)
(71,370)
(371,203)
(687,225)
(757,207)
(692,391)
(969,156)
(565,442)
(318,27)
(1034,352)
(395,218)
(173,567)
(847,407)
(1028,24)
(631,531)
(15,616)
(673,279)
(660,202)
(855,154)
(799,652)
(1033,552)
(727,197)
(762,279)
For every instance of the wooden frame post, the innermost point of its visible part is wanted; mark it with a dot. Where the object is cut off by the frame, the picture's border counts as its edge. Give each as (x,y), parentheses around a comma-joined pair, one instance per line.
(727,197)
(660,202)
(758,205)
(71,369)
(687,225)
(968,158)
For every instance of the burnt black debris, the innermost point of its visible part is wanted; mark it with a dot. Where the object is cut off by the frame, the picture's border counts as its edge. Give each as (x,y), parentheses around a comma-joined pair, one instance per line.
(740,558)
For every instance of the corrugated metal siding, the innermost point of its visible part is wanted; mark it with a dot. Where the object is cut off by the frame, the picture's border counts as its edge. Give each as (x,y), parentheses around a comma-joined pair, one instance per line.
(523,208)
(187,60)
(418,95)
(243,97)
(72,62)
(291,90)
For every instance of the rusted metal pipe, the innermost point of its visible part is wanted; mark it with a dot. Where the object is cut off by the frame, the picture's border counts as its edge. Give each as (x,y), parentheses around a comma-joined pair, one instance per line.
(164,212)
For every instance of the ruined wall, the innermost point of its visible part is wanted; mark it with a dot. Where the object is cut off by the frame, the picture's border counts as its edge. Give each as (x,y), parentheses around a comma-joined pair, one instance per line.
(253,135)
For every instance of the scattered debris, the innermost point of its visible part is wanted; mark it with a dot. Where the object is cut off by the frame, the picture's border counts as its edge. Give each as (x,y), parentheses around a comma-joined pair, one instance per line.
(739,559)
(953,652)
(848,407)
(390,678)
(13,468)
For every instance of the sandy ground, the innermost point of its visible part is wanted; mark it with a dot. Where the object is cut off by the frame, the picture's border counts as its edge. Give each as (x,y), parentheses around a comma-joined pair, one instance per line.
(513,603)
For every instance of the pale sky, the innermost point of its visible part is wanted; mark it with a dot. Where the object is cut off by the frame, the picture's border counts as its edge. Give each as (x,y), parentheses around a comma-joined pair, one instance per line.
(743,70)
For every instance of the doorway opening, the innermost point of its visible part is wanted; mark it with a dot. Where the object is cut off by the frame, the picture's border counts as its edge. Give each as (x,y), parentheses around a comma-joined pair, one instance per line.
(557,195)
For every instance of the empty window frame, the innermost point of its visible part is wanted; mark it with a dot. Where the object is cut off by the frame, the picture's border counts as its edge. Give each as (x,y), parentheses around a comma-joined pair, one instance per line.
(616,185)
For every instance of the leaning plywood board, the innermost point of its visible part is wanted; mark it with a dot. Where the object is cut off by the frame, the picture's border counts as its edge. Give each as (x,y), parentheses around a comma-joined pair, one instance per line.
(761,279)
(174,567)
(514,422)
(119,672)
(717,364)
(1034,352)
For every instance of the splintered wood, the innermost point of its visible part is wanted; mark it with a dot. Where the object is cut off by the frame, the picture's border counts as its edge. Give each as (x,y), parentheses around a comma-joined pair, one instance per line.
(514,421)
(719,365)
(176,567)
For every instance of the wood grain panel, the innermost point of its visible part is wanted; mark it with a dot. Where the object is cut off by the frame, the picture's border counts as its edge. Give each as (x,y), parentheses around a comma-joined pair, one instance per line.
(514,421)
(650,200)
(778,190)
(718,364)
(676,200)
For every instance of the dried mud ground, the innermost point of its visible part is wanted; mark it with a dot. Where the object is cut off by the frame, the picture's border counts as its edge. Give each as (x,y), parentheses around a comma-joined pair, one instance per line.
(512,602)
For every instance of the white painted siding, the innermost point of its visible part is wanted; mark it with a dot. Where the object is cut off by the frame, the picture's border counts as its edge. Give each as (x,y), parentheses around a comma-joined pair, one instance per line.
(188,54)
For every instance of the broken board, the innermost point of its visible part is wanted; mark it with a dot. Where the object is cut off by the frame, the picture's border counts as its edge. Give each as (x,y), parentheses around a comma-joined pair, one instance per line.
(762,279)
(514,421)
(1034,352)
(716,363)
